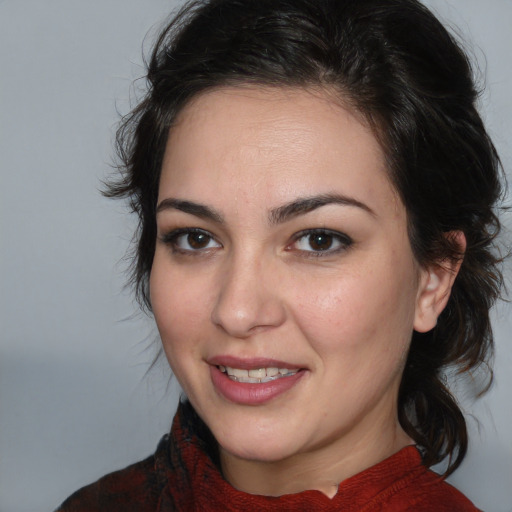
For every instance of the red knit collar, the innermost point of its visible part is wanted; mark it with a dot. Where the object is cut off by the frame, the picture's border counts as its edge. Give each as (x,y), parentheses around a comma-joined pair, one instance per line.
(193,481)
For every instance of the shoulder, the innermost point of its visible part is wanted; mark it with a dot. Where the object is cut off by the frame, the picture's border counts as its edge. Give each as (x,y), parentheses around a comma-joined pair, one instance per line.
(403,483)
(134,488)
(430,492)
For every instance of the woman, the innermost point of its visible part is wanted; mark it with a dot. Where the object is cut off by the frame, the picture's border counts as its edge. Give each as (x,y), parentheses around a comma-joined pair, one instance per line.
(315,192)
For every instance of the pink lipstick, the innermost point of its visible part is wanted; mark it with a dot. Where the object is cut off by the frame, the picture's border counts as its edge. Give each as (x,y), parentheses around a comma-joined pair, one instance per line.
(252,381)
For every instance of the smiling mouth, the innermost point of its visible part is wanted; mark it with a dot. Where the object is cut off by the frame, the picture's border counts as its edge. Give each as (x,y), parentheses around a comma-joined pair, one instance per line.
(258,375)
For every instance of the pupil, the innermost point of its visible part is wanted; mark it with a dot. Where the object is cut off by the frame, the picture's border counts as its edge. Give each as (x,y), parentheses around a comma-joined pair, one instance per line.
(198,240)
(320,242)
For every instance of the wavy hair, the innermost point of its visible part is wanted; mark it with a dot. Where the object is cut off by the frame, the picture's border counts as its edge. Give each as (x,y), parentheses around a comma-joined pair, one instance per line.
(395,64)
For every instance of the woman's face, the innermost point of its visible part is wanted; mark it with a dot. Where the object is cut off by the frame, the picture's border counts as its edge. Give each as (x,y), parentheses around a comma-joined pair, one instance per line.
(283,284)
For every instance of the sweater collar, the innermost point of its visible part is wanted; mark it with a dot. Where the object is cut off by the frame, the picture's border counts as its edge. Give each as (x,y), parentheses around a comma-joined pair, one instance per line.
(192,480)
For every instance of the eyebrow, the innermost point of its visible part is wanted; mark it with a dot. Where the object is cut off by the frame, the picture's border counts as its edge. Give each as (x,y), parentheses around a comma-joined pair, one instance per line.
(277,215)
(308,204)
(199,210)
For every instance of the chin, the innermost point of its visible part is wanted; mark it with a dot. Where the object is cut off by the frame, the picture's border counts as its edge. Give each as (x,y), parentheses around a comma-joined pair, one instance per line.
(258,444)
(262,452)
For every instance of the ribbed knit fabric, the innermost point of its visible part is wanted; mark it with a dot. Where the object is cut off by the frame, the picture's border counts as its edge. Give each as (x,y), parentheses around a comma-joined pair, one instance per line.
(181,477)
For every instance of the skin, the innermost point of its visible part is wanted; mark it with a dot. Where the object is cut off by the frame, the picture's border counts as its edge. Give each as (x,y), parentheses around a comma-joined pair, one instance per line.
(255,286)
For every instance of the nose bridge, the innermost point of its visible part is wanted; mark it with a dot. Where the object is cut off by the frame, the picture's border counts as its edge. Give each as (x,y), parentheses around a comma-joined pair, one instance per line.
(248,298)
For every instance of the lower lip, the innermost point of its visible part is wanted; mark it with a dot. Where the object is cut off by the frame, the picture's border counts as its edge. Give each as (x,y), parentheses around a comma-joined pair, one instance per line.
(252,394)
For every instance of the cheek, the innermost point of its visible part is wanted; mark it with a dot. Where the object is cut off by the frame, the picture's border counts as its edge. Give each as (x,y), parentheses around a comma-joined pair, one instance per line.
(178,310)
(368,311)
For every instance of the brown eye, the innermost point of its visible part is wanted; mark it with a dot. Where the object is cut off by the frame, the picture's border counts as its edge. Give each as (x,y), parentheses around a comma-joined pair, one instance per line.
(320,241)
(190,240)
(198,240)
(316,242)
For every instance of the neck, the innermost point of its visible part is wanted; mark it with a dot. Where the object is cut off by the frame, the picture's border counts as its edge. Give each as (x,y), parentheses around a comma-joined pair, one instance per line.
(321,469)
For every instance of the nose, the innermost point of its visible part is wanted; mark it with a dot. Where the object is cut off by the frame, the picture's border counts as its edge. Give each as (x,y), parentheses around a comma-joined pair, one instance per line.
(248,300)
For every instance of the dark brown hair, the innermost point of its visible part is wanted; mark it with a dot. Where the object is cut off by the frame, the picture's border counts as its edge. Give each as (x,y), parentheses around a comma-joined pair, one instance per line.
(395,63)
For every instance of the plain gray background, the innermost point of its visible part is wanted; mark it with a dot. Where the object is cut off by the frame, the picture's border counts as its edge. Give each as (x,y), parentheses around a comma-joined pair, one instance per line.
(75,400)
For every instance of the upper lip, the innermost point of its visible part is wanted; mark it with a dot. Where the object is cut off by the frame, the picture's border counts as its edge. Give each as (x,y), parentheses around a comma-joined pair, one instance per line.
(251,363)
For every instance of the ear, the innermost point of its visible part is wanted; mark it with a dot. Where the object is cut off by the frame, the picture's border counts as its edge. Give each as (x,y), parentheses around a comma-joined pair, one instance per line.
(435,286)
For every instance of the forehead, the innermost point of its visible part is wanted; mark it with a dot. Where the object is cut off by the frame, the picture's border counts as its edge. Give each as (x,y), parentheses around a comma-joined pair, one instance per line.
(278,142)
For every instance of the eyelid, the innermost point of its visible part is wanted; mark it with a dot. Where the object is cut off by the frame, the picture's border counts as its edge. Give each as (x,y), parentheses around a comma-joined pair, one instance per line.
(344,240)
(170,238)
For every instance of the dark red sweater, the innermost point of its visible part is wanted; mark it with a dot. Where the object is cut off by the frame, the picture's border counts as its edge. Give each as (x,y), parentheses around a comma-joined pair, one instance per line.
(180,476)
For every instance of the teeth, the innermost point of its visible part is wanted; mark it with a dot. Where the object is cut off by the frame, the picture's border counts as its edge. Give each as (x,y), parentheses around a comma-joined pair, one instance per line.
(272,372)
(236,372)
(261,373)
(256,375)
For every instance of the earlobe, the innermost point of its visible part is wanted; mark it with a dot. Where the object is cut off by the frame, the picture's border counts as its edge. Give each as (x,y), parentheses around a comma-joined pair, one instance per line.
(435,286)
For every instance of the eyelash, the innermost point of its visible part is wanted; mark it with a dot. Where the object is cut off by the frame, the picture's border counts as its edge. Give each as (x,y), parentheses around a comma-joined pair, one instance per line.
(342,239)
(172,238)
(344,242)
